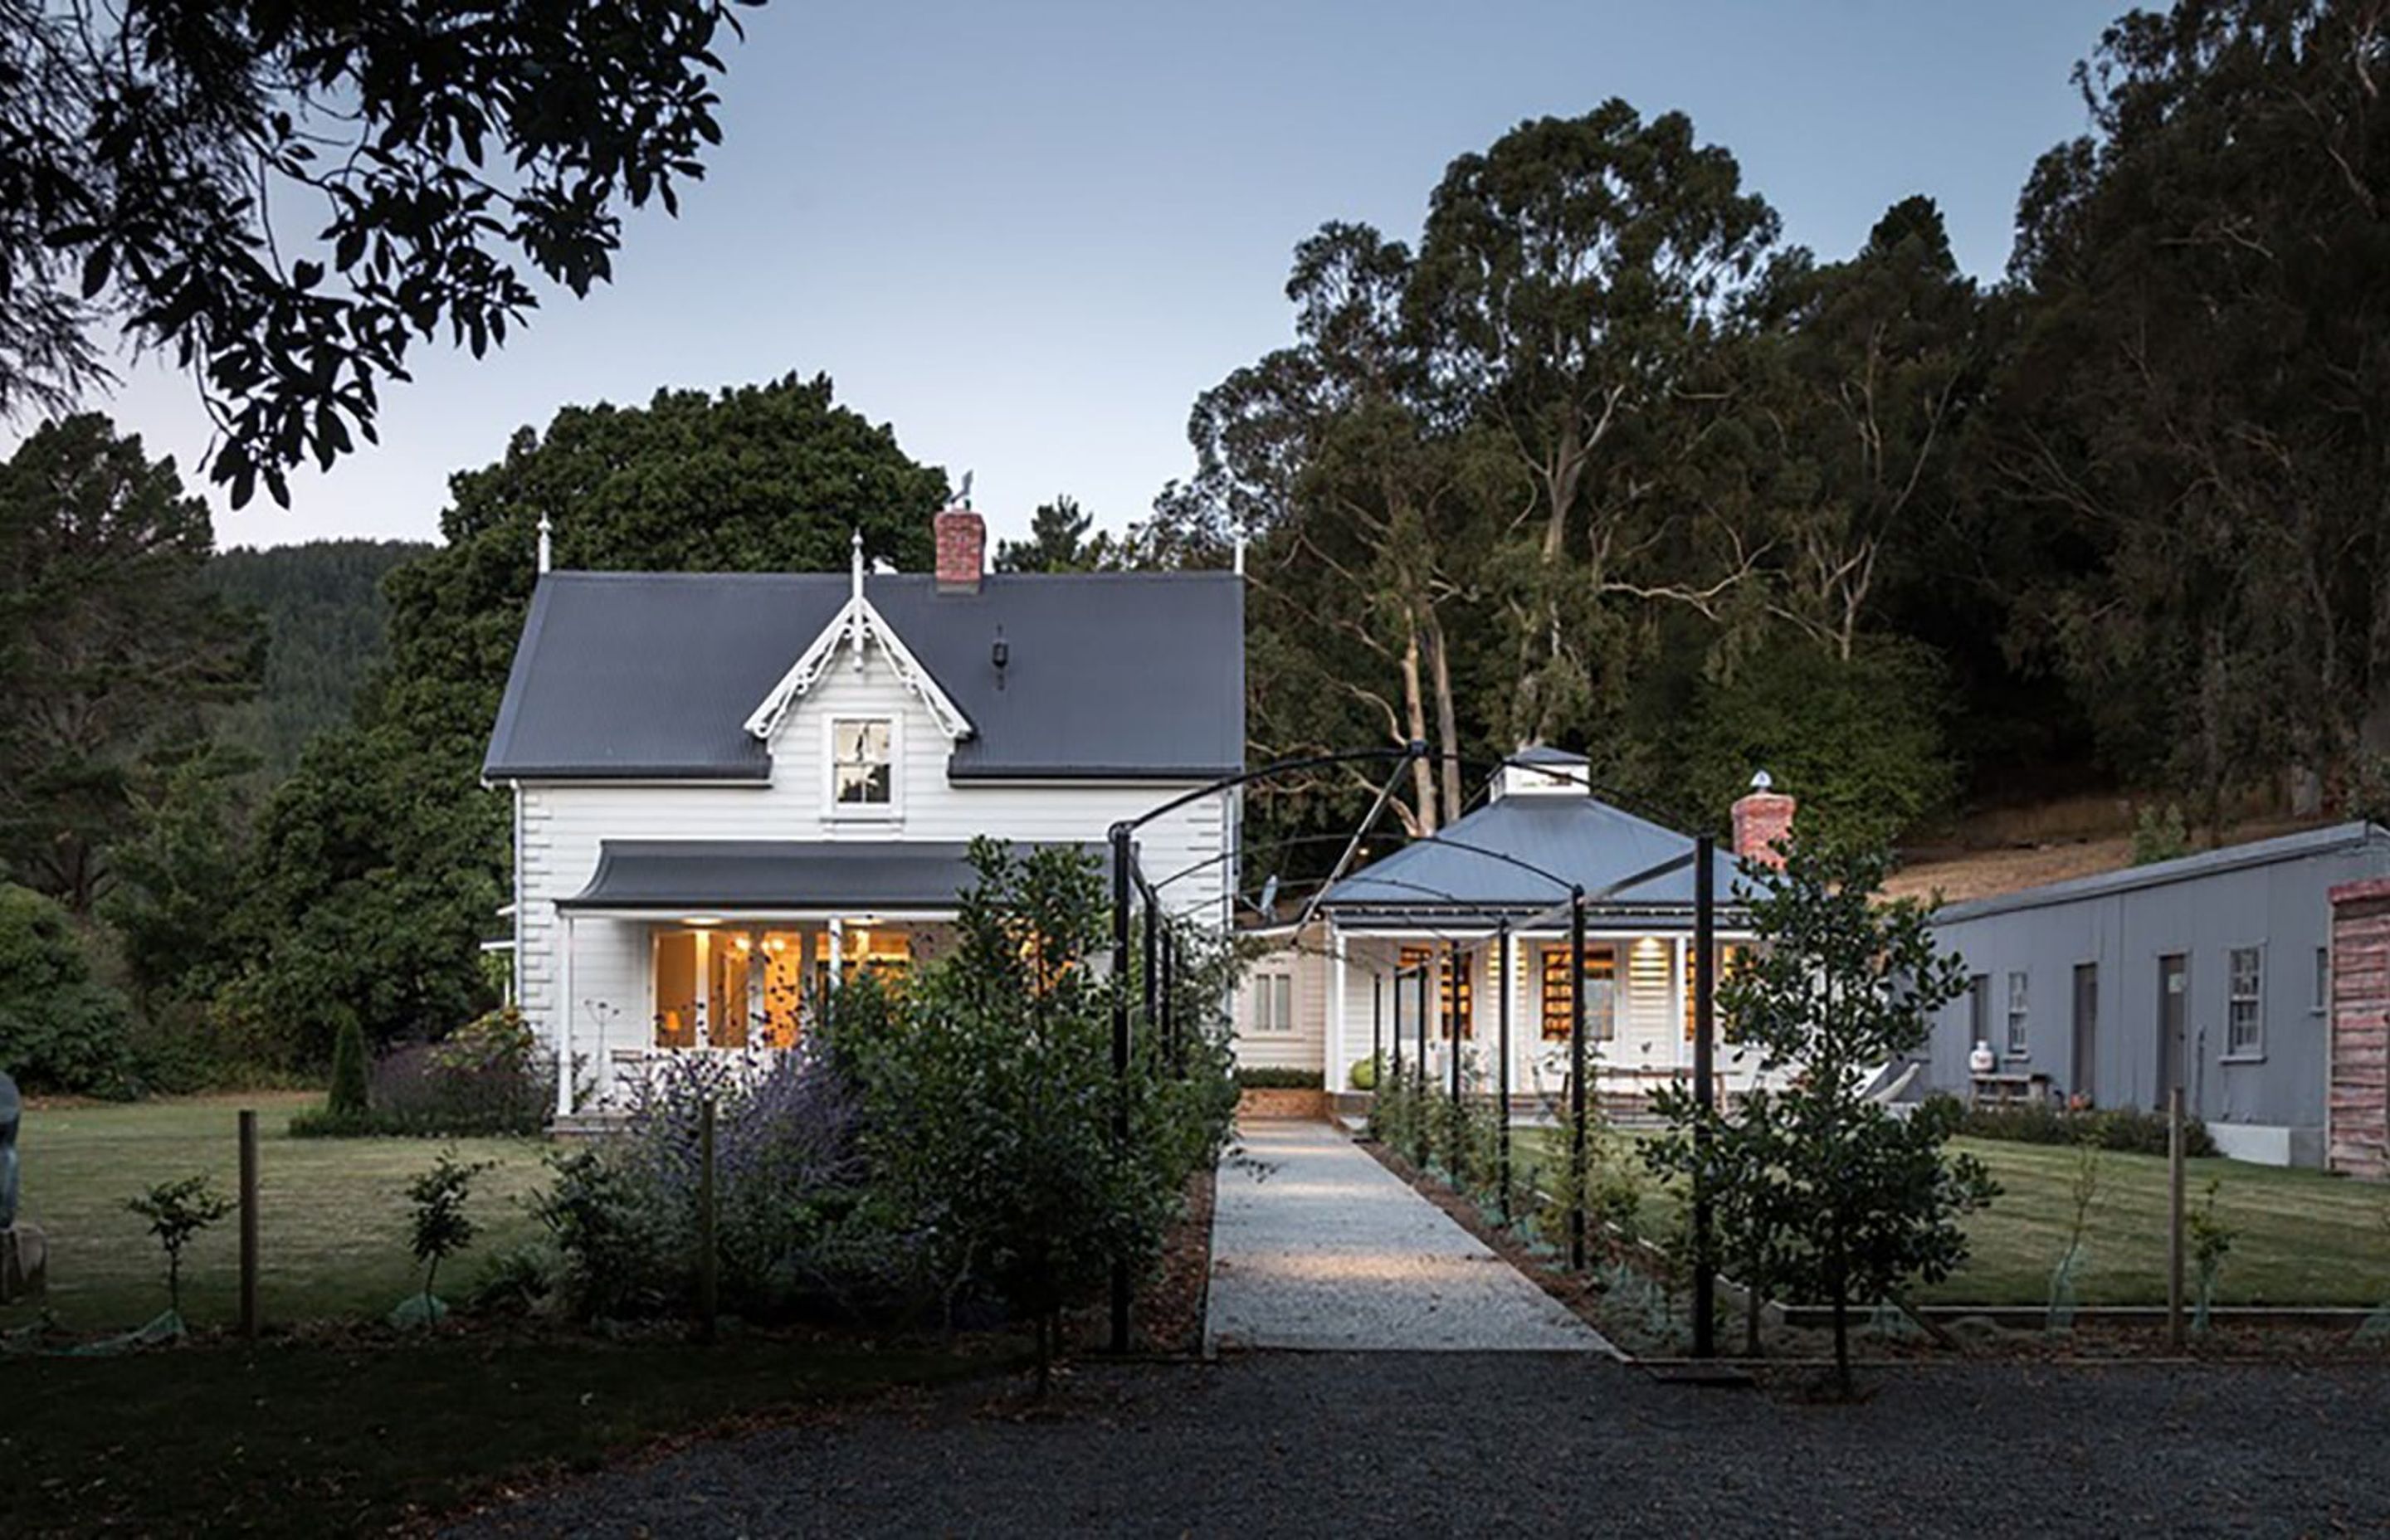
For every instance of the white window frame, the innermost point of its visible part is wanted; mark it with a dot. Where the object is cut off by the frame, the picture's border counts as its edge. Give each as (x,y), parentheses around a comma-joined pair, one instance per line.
(2322,985)
(2019,1017)
(889,812)
(1273,1005)
(2236,1047)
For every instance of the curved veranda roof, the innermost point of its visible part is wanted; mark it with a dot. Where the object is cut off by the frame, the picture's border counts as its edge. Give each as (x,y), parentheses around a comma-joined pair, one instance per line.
(1517,858)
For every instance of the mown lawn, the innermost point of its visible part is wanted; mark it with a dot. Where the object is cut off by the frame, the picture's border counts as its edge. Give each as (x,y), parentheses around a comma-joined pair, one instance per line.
(332,1213)
(2304,1238)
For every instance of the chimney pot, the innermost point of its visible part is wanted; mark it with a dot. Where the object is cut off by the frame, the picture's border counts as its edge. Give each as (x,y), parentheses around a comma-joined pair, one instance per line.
(1762,817)
(962,550)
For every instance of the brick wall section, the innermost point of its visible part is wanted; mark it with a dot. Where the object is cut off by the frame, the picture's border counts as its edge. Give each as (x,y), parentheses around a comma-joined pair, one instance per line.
(1761,819)
(2359,1106)
(962,550)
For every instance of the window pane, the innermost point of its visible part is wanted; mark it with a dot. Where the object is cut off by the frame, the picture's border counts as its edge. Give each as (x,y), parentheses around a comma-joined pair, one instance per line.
(1415,956)
(2020,1041)
(1601,986)
(861,773)
(676,989)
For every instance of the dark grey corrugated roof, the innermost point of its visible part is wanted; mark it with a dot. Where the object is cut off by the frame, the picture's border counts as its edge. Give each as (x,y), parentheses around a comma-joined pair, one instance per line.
(2257,853)
(1575,839)
(698,876)
(635,674)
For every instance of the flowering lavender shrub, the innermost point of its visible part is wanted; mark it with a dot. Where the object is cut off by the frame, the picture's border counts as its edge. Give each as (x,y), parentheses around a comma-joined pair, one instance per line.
(788,1186)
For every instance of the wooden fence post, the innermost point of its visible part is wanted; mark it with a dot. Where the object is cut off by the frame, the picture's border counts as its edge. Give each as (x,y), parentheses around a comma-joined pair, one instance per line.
(247,1126)
(2174,1217)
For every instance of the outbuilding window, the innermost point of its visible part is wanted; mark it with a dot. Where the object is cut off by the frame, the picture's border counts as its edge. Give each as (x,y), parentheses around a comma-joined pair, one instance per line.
(2020,1037)
(2244,1014)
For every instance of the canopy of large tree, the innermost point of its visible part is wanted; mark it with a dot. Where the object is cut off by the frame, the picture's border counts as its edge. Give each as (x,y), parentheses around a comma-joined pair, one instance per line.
(382,862)
(111,647)
(283,196)
(2197,415)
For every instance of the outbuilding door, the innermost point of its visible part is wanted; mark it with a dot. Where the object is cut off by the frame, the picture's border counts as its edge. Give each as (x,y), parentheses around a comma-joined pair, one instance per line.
(2174,1015)
(2083,1078)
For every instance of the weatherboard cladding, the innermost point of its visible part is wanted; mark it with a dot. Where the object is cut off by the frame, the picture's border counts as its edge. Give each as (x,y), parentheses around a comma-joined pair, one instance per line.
(1578,840)
(651,676)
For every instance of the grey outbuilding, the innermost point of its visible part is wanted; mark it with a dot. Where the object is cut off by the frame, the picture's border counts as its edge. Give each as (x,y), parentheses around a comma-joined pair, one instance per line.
(2248,975)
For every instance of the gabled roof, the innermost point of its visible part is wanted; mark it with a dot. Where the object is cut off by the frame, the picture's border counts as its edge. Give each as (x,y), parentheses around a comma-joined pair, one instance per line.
(1576,839)
(2338,838)
(654,676)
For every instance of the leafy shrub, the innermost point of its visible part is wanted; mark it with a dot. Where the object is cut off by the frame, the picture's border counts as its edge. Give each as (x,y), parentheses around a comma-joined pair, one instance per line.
(177,1211)
(61,1029)
(1271,1078)
(490,1078)
(2127,1130)
(348,1099)
(2159,834)
(440,1227)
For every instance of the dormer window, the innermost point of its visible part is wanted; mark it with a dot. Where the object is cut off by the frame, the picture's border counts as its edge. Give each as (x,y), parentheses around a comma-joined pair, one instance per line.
(862,771)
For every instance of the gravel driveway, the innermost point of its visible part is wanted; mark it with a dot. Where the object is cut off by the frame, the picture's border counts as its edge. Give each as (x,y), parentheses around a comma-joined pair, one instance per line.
(1533,1443)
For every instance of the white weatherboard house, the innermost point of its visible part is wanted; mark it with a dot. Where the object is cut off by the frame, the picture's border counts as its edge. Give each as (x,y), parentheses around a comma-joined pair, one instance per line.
(1320,997)
(733,790)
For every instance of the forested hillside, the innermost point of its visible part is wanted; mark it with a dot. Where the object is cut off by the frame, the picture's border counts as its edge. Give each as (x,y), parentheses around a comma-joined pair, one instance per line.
(321,608)
(1596,459)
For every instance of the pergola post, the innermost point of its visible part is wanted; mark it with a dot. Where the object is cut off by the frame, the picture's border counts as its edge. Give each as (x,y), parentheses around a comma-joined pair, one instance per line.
(1122,855)
(1576,1079)
(1502,1063)
(1452,1032)
(1376,1033)
(1419,1142)
(1705,1093)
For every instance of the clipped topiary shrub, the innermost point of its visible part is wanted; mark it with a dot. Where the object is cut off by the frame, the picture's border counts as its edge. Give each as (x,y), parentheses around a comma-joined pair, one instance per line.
(2126,1130)
(348,1099)
(1272,1078)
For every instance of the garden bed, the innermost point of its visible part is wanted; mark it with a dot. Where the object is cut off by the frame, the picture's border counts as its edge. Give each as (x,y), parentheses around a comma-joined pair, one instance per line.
(1651,1329)
(1168,1316)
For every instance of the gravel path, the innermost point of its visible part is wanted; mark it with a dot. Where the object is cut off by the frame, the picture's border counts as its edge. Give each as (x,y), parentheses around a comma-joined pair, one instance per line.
(1537,1443)
(1315,1245)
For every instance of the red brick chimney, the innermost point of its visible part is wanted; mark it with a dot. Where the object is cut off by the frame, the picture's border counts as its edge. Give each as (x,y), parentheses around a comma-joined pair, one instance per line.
(1762,817)
(962,550)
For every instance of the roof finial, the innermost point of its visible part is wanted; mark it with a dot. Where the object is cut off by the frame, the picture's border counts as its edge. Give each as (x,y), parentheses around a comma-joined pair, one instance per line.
(962,498)
(1762,781)
(1241,553)
(856,560)
(545,529)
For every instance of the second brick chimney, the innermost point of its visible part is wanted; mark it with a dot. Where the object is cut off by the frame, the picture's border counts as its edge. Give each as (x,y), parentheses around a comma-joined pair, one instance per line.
(1762,817)
(962,550)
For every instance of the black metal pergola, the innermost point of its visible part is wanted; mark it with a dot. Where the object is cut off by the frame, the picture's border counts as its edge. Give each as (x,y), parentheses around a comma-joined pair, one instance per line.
(1572,899)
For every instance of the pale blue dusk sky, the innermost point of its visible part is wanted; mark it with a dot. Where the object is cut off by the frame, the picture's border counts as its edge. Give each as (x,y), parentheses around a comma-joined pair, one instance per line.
(1028,232)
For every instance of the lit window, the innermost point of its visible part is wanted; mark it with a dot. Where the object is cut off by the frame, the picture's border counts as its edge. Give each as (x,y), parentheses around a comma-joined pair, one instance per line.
(1729,957)
(2019,1042)
(1412,957)
(860,776)
(1601,993)
(2244,1018)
